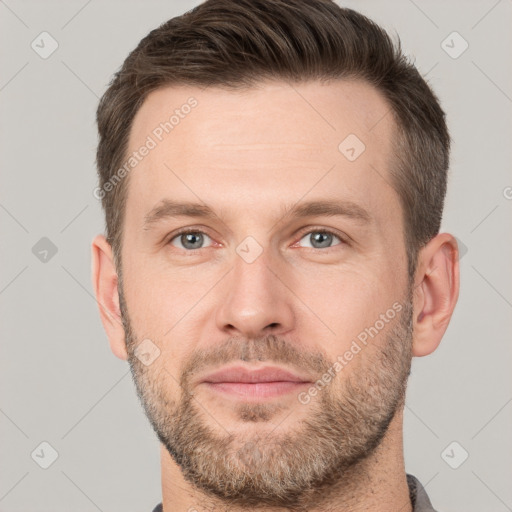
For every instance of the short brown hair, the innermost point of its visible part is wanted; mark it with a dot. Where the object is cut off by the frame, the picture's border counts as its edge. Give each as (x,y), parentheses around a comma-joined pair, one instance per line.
(238,43)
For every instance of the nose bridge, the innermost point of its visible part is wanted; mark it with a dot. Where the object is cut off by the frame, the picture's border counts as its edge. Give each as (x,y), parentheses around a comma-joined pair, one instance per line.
(255,300)
(253,268)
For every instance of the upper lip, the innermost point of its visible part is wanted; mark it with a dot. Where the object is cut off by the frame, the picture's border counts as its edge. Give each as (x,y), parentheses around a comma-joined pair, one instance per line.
(247,375)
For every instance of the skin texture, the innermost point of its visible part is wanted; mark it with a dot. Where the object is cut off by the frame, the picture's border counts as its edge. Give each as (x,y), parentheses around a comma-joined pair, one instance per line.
(250,155)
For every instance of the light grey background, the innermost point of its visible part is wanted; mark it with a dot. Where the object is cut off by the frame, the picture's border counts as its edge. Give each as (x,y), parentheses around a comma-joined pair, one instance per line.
(59,381)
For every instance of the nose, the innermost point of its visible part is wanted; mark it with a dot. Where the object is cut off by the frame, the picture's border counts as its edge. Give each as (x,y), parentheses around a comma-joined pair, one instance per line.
(257,301)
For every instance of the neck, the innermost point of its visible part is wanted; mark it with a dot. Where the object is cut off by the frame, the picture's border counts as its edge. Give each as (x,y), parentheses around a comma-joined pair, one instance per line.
(376,484)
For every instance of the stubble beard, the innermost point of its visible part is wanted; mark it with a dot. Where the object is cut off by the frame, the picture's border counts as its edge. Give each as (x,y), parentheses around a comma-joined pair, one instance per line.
(288,466)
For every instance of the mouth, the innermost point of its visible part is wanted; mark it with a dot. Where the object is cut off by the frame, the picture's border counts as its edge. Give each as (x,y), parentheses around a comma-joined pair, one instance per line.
(241,382)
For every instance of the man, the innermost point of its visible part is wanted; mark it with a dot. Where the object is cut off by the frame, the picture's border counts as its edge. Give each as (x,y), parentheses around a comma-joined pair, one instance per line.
(273,175)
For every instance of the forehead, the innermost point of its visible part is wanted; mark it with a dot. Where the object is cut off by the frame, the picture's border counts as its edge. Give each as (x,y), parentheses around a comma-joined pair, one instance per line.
(276,141)
(329,107)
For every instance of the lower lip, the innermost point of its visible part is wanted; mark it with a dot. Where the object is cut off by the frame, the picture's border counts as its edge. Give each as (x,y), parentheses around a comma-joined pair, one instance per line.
(256,390)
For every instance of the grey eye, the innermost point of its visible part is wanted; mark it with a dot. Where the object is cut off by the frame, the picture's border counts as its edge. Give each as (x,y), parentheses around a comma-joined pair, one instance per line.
(190,241)
(320,239)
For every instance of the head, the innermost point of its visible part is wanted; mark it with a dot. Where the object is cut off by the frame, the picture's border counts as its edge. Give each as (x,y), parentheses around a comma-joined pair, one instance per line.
(316,157)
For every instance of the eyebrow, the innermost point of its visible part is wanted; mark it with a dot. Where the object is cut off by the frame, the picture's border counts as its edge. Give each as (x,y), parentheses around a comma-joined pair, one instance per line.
(168,208)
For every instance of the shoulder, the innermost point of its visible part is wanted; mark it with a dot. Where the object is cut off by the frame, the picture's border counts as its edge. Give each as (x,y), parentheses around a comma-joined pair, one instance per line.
(419,498)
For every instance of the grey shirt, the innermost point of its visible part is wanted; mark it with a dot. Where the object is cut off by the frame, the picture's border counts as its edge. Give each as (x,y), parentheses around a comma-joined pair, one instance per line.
(419,499)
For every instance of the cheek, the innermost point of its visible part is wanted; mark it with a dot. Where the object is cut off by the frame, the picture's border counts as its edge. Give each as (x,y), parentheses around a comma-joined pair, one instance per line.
(157,300)
(345,305)
(155,315)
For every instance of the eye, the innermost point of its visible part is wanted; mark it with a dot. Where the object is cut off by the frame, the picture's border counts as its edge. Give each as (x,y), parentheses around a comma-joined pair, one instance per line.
(320,238)
(189,239)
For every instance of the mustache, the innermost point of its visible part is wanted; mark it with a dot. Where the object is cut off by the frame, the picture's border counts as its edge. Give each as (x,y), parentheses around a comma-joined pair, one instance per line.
(270,349)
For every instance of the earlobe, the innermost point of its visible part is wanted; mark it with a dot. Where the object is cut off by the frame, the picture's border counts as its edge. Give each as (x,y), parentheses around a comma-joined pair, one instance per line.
(435,293)
(104,279)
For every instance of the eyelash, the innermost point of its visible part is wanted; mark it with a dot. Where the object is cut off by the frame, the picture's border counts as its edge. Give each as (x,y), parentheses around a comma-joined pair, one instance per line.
(307,231)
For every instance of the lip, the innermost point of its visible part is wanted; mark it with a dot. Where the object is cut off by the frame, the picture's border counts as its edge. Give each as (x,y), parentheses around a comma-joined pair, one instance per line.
(241,374)
(254,384)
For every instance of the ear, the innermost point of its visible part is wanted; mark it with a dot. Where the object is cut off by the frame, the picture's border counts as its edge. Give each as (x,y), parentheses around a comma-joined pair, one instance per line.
(436,290)
(104,280)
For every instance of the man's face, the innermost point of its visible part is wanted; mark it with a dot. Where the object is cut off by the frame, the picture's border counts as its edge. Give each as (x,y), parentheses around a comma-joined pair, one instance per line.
(255,287)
